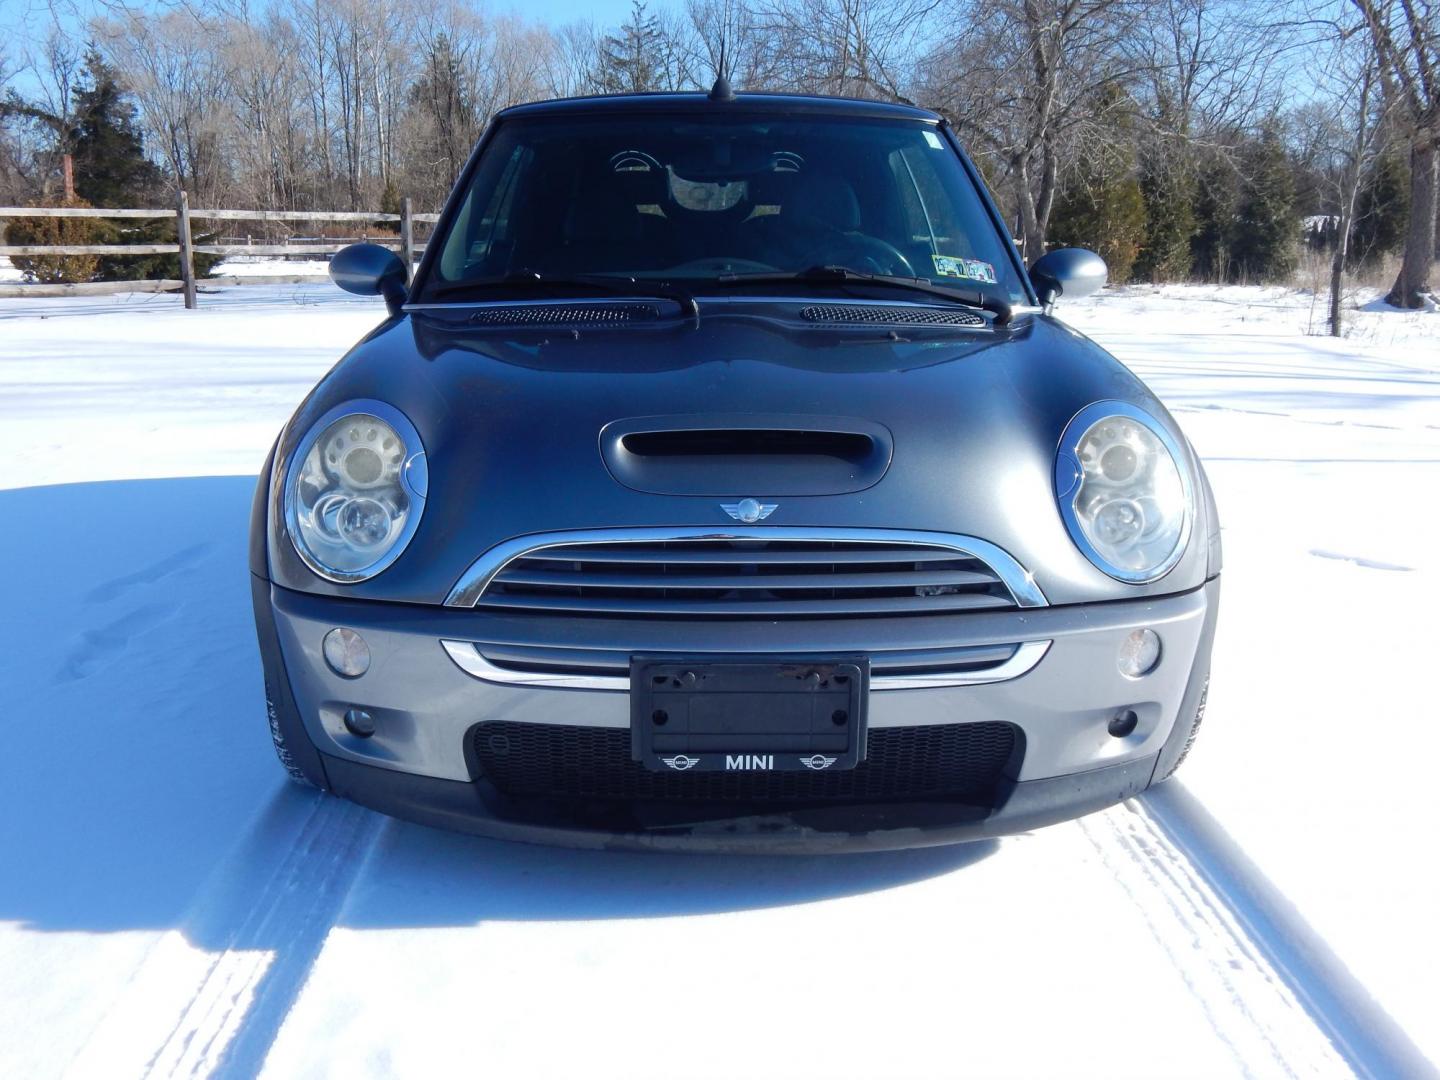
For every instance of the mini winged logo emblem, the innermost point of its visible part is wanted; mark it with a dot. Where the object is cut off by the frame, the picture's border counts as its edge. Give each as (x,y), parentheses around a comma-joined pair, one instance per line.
(817,761)
(681,762)
(749,510)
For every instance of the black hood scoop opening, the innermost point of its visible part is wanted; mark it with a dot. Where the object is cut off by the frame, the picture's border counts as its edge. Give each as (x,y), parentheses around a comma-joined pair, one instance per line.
(751,454)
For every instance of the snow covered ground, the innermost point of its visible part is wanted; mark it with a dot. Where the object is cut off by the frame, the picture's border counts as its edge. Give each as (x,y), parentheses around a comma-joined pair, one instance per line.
(168,906)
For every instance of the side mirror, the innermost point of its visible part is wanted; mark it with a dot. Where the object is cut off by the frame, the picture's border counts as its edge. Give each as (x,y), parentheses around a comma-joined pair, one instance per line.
(370,270)
(1071,272)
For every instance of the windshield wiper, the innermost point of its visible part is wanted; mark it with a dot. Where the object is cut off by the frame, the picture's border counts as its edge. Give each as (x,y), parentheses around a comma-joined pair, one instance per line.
(531,281)
(975,298)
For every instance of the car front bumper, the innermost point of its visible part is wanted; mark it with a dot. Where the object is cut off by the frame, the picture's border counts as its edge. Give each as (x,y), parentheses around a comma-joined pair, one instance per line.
(424,707)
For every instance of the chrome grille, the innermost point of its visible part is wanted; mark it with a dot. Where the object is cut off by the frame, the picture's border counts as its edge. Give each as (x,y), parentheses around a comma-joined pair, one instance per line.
(745,578)
(852,314)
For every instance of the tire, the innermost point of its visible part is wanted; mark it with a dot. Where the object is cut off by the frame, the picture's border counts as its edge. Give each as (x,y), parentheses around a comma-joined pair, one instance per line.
(287,759)
(1194,729)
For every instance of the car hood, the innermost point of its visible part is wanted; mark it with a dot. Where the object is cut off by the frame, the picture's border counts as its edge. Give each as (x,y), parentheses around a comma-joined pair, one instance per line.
(515,424)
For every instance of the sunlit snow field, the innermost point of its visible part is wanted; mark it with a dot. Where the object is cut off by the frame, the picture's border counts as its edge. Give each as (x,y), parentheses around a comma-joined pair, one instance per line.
(169,906)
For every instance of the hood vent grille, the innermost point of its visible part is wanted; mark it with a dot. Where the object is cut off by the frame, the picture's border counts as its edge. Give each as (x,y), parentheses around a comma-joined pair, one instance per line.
(565,315)
(861,315)
(732,578)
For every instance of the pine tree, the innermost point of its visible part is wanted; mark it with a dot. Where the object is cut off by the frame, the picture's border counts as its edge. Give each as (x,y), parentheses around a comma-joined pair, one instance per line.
(447,120)
(1101,209)
(633,60)
(1217,196)
(1383,210)
(1265,241)
(111,168)
(1168,189)
(390,197)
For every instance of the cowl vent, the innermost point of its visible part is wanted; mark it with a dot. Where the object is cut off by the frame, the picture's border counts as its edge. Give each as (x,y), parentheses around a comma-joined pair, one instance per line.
(565,315)
(860,315)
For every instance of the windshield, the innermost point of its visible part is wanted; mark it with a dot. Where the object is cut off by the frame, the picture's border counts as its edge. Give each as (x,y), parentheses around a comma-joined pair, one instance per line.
(694,201)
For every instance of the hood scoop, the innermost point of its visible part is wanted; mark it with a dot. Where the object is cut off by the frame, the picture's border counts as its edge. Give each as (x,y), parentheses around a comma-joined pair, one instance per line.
(749,454)
(887,315)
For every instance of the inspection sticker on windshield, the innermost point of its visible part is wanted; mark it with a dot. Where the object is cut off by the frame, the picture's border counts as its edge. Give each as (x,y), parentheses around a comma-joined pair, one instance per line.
(971,269)
(933,141)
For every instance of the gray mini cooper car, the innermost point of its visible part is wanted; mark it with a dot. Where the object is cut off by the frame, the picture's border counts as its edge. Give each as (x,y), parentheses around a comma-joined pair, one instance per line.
(722,481)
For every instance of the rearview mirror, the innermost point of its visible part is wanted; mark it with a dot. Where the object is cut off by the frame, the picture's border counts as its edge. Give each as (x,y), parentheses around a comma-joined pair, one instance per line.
(370,270)
(1068,272)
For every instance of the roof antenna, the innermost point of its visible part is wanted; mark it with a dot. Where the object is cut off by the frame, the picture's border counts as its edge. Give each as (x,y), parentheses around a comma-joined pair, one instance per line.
(721,90)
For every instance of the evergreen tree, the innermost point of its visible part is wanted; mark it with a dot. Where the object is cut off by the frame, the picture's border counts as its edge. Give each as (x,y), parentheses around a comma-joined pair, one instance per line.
(1383,211)
(1101,209)
(447,120)
(111,168)
(1266,232)
(1168,189)
(57,269)
(1217,196)
(390,199)
(633,60)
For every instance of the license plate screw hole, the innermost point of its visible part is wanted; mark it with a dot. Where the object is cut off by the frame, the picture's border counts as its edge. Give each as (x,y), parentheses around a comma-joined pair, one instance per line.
(659,717)
(838,717)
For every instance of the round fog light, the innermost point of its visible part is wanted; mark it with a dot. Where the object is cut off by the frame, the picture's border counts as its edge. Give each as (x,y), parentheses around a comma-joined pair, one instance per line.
(1139,653)
(346,653)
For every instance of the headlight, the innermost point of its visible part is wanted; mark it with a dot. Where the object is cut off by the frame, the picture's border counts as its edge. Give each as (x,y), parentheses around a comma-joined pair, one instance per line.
(1124,491)
(355,490)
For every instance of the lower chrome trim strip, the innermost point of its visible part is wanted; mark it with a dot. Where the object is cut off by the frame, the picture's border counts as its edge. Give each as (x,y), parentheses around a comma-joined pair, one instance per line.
(468,590)
(468,658)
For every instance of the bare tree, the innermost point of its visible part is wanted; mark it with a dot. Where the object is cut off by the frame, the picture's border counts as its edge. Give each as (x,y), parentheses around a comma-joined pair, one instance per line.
(730,34)
(1345,135)
(170,66)
(855,48)
(55,68)
(572,60)
(1022,78)
(1405,35)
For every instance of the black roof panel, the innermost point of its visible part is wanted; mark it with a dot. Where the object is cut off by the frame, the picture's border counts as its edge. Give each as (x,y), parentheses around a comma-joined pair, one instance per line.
(779,104)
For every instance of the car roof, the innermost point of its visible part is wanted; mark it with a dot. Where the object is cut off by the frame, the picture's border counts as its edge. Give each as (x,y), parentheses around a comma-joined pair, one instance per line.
(696,102)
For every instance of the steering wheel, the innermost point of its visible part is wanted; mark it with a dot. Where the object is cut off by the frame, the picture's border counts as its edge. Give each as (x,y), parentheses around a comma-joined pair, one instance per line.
(873,255)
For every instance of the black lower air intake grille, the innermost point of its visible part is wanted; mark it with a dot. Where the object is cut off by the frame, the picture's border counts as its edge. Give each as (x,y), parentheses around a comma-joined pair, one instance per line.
(554,761)
(855,314)
(565,315)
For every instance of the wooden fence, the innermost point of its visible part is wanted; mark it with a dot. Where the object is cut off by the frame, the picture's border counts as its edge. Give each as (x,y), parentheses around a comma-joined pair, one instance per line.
(185,247)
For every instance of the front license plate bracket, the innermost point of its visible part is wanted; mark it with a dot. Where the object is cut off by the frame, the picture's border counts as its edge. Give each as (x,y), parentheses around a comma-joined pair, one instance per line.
(720,715)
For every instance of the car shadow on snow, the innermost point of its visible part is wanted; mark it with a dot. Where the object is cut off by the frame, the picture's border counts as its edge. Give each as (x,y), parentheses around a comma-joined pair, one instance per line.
(140,790)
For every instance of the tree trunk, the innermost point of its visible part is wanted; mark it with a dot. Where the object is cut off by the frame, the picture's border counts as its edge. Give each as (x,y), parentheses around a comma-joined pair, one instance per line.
(1413,283)
(1032,235)
(1337,276)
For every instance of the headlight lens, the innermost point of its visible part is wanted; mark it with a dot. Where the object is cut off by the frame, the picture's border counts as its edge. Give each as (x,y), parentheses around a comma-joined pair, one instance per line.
(355,490)
(1123,491)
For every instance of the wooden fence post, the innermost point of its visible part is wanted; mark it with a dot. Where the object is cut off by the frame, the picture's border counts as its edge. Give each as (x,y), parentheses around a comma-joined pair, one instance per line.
(407,237)
(187,249)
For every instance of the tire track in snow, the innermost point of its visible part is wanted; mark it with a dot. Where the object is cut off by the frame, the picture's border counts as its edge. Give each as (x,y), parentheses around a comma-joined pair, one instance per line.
(211,994)
(1248,1004)
(1360,1030)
